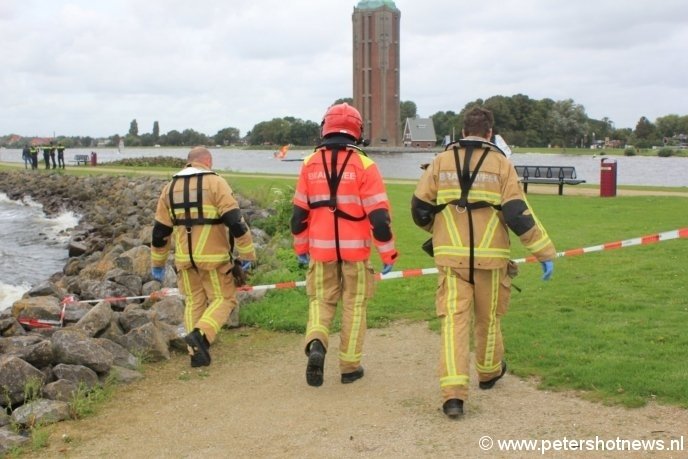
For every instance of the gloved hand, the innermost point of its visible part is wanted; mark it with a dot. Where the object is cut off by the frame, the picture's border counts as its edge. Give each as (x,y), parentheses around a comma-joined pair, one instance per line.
(547,269)
(158,273)
(303,259)
(386,268)
(246,265)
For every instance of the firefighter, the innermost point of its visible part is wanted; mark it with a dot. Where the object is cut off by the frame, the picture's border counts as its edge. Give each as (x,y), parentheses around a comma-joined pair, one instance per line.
(340,209)
(195,209)
(468,198)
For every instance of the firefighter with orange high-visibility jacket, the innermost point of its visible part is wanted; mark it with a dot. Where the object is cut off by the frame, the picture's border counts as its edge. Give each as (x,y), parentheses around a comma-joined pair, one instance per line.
(468,198)
(340,210)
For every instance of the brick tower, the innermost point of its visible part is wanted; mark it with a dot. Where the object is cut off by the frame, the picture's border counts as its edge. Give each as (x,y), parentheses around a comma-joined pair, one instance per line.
(376,70)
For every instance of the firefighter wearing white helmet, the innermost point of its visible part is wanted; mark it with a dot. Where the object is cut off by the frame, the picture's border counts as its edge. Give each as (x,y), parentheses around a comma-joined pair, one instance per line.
(340,211)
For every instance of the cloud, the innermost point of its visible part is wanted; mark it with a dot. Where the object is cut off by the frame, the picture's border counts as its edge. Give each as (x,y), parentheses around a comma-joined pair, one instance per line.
(88,68)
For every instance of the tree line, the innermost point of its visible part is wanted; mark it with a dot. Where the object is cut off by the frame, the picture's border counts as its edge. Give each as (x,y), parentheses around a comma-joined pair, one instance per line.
(522,121)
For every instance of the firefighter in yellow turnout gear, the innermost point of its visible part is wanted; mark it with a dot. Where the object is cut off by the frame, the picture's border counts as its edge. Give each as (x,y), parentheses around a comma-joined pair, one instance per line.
(196,208)
(468,198)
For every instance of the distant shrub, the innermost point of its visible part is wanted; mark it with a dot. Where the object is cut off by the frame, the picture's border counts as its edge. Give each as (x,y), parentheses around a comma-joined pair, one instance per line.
(665,152)
(629,151)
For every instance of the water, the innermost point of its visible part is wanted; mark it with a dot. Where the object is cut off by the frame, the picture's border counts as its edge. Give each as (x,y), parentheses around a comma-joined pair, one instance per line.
(32,246)
(631,170)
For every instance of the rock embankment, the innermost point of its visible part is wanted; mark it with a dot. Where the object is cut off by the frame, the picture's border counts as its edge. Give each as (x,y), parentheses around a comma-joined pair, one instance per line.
(59,339)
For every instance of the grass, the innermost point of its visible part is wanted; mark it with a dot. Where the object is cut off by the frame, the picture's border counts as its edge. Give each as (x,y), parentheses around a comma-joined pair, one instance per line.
(609,324)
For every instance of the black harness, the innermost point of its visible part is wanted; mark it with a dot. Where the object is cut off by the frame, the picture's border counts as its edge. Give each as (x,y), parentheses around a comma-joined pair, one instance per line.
(466,179)
(188,205)
(334,178)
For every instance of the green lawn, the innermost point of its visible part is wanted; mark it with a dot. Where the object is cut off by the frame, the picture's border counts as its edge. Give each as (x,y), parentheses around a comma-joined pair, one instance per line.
(609,323)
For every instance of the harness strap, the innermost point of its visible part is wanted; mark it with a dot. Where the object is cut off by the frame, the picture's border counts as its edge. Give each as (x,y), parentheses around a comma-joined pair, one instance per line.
(187,205)
(334,178)
(466,179)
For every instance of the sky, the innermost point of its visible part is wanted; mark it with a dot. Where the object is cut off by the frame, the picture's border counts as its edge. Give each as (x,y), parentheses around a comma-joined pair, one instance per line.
(90,67)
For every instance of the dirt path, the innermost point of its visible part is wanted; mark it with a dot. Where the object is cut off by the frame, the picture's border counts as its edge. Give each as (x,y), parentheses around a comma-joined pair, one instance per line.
(253,401)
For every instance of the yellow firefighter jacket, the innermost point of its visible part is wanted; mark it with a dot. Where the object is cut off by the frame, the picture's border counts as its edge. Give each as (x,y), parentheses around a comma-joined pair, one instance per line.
(199,213)
(502,205)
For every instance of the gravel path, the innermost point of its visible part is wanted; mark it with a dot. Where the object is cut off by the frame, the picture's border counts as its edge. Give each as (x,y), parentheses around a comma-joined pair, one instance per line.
(253,401)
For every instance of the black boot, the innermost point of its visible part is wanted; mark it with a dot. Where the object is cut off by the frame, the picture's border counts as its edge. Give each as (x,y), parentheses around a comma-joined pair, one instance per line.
(489,384)
(348,378)
(453,408)
(316,363)
(199,348)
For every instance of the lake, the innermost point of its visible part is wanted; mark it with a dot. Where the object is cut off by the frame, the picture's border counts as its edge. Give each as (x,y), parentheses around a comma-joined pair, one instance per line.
(631,170)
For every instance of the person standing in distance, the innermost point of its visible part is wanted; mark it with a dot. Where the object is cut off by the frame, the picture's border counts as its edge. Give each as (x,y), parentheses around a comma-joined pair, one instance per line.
(468,198)
(340,210)
(195,209)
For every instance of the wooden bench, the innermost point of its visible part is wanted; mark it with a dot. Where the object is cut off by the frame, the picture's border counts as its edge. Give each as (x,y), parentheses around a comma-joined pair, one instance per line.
(80,159)
(551,175)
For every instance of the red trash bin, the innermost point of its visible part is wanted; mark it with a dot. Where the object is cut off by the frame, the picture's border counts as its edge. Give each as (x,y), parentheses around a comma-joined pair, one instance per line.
(607,177)
(94,158)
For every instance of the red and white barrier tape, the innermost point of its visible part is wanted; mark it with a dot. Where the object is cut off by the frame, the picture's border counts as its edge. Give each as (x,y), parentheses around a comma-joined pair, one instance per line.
(46,323)
(643,240)
(681,233)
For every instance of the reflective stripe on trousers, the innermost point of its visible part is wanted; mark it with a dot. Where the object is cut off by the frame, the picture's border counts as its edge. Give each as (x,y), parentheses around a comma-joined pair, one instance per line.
(326,284)
(210,298)
(455,295)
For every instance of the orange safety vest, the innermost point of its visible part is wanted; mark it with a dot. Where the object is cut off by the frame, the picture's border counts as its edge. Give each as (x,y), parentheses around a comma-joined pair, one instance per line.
(339,186)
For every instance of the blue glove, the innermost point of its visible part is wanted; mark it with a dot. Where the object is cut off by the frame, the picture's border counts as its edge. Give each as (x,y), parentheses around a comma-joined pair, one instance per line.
(386,268)
(158,273)
(246,265)
(303,259)
(547,269)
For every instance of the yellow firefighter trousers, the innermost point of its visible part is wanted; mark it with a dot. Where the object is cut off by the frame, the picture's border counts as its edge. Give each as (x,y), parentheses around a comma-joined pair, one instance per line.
(489,297)
(326,283)
(210,298)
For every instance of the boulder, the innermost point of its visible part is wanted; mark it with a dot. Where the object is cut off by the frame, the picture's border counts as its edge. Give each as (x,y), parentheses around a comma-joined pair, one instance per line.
(10,440)
(14,375)
(78,374)
(73,346)
(41,411)
(62,389)
(97,319)
(147,341)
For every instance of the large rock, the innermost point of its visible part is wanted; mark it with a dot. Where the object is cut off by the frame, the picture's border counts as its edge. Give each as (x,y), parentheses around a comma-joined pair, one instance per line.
(96,319)
(147,341)
(10,440)
(133,317)
(121,356)
(33,349)
(37,307)
(72,346)
(62,389)
(78,374)
(169,310)
(41,412)
(14,375)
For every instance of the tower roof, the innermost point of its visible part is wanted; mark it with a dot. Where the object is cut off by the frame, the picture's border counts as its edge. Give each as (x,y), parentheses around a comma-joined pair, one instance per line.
(375,4)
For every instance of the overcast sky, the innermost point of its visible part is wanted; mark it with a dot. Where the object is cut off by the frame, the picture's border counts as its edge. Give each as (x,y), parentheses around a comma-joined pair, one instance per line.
(90,67)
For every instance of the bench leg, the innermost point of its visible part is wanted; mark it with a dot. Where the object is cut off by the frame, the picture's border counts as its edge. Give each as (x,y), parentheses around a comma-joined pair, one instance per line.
(561,189)
(525,187)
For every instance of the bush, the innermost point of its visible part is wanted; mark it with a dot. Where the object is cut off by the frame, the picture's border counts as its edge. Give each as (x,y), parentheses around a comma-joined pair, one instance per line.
(629,151)
(665,152)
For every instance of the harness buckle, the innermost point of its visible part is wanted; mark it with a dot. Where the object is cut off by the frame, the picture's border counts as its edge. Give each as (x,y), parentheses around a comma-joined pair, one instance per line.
(460,209)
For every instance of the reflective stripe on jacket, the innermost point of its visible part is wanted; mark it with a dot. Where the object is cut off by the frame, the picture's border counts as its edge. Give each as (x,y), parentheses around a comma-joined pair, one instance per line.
(497,184)
(360,192)
(209,242)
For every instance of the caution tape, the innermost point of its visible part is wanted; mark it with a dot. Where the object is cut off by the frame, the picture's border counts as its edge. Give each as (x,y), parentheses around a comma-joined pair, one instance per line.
(681,233)
(116,299)
(46,323)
